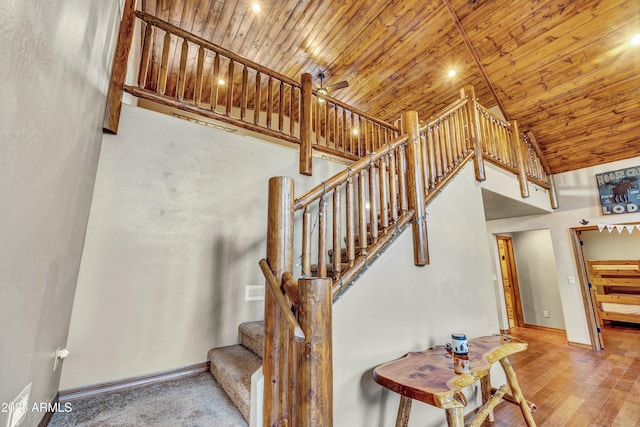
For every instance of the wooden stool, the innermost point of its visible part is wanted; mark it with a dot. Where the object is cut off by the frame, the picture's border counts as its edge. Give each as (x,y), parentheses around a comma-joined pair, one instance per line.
(428,376)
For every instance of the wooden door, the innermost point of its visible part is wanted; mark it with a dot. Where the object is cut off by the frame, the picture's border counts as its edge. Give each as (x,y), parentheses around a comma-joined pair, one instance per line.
(510,281)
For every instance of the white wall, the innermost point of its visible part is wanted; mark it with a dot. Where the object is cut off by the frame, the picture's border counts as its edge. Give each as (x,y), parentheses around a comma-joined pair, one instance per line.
(537,278)
(55,71)
(603,245)
(578,198)
(177,226)
(397,307)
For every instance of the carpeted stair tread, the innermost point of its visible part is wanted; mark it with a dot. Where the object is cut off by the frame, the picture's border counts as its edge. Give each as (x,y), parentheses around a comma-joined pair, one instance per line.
(252,336)
(232,367)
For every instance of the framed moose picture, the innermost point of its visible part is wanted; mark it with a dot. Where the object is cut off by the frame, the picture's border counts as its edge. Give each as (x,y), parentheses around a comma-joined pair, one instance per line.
(619,191)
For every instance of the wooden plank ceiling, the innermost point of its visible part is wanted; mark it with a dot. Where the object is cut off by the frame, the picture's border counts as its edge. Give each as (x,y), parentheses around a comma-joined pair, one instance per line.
(564,69)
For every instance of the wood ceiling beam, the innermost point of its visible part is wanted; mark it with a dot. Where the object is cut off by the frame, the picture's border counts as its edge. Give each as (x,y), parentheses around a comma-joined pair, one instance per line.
(474,55)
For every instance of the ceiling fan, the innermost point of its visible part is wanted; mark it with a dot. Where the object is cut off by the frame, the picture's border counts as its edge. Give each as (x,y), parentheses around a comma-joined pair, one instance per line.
(324,90)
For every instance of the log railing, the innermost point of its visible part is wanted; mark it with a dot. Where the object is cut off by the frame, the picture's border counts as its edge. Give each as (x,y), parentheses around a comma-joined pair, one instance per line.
(502,144)
(218,84)
(345,131)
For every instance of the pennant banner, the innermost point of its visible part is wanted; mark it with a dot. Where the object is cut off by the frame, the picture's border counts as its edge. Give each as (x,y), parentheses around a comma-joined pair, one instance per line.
(618,227)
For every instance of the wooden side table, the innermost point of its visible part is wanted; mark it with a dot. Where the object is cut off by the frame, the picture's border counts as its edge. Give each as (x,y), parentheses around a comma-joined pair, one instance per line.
(428,376)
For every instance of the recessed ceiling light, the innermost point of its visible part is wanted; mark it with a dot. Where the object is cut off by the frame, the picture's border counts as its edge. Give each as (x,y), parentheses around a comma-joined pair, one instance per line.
(451,73)
(635,40)
(221,81)
(355,131)
(256,8)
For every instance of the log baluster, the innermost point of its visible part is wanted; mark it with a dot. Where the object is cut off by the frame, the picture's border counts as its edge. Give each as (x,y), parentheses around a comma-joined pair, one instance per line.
(393,188)
(257,102)
(337,235)
(215,82)
(316,118)
(269,101)
(244,92)
(384,192)
(373,203)
(438,153)
(425,161)
(306,242)
(292,111)
(431,153)
(336,128)
(351,130)
(346,140)
(446,136)
(351,246)
(164,63)
(281,107)
(197,97)
(402,180)
(145,55)
(229,84)
(322,237)
(182,72)
(362,212)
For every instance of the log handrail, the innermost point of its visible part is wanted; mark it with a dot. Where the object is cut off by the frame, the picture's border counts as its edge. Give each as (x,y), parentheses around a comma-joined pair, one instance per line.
(163,25)
(298,334)
(340,178)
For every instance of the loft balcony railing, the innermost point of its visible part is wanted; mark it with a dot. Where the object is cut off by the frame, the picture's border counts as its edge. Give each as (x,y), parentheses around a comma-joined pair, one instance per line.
(215,83)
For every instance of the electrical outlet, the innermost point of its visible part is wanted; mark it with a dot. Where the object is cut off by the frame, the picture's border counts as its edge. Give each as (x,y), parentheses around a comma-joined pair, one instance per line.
(19,407)
(571,280)
(545,313)
(254,293)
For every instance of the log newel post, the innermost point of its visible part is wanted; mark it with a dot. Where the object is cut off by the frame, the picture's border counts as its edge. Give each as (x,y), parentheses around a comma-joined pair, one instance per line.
(553,196)
(306,134)
(278,337)
(315,364)
(519,149)
(474,131)
(415,188)
(113,107)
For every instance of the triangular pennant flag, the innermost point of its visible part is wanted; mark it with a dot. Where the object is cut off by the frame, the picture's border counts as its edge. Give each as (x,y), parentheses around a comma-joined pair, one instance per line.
(609,228)
(619,228)
(630,228)
(601,227)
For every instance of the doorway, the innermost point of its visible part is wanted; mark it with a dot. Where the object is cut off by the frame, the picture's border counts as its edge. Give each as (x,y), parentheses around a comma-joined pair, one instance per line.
(592,242)
(510,281)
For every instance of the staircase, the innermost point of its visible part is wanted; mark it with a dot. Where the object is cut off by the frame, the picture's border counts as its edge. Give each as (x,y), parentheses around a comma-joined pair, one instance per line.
(232,366)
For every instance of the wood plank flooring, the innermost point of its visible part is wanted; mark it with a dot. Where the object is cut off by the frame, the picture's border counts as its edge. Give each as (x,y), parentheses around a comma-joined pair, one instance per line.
(577,387)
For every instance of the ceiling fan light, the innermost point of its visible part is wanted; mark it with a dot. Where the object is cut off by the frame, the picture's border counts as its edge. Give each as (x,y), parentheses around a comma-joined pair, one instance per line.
(323,90)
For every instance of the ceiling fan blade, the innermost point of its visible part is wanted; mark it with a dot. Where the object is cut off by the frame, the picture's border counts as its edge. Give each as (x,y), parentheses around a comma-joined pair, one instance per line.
(338,85)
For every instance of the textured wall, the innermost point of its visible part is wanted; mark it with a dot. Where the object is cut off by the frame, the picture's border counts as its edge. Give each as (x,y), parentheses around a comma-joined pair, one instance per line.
(177,226)
(578,198)
(537,278)
(397,307)
(55,70)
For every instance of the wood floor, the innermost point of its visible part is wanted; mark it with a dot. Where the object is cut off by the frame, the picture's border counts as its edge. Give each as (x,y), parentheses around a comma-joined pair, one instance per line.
(577,387)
